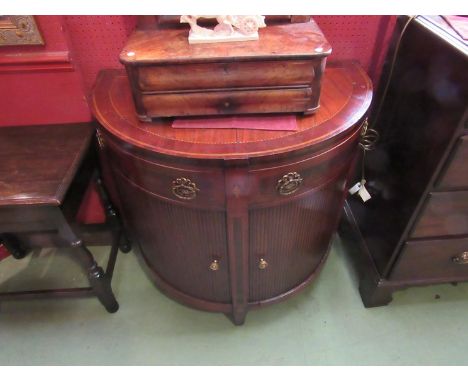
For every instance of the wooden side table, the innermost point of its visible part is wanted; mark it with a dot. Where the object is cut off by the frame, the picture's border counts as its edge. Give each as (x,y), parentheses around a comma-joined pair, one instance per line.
(44,173)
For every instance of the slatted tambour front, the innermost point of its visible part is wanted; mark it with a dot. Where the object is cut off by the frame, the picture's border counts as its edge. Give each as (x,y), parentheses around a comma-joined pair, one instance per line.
(187,242)
(281,236)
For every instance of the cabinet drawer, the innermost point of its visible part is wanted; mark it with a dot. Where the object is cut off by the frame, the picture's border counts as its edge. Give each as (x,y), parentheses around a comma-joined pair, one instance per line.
(445,214)
(456,172)
(432,260)
(197,187)
(220,75)
(227,102)
(271,185)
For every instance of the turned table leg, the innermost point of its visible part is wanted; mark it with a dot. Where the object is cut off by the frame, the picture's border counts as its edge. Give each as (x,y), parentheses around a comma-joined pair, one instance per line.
(99,281)
(125,244)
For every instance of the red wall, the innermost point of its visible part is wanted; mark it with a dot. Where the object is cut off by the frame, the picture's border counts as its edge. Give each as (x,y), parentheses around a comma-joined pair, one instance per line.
(50,84)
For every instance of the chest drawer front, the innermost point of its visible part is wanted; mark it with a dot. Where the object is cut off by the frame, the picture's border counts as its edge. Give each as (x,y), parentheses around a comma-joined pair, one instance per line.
(445,214)
(456,173)
(432,260)
(226,75)
(193,187)
(227,102)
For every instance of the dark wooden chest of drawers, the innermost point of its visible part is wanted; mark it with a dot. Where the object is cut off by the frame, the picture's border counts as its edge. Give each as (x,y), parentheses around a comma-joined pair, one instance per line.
(281,72)
(414,231)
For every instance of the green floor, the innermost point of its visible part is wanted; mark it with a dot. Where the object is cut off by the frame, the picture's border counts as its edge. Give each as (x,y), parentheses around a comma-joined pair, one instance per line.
(324,325)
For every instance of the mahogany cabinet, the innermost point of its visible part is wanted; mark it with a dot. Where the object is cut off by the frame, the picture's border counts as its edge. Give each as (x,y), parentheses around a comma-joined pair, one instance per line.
(227,220)
(414,231)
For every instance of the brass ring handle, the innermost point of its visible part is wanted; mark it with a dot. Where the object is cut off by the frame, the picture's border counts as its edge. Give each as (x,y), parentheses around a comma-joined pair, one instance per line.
(462,259)
(214,266)
(262,264)
(184,188)
(289,183)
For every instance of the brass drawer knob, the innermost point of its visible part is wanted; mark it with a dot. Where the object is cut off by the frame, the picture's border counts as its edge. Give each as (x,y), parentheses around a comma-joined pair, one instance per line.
(262,264)
(214,266)
(461,259)
(289,183)
(184,188)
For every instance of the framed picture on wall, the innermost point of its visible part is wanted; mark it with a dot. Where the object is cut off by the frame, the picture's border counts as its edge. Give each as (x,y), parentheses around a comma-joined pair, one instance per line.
(19,30)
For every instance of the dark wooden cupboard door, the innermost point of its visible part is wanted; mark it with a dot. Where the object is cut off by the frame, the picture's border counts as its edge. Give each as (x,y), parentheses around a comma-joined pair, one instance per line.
(283,252)
(185,247)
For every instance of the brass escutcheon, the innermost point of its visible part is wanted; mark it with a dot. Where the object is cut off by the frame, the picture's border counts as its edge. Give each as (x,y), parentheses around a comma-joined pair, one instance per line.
(462,259)
(289,183)
(262,264)
(214,266)
(184,188)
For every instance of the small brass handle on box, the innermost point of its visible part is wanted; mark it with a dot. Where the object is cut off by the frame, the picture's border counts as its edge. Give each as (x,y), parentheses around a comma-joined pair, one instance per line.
(289,183)
(462,259)
(214,266)
(262,264)
(184,188)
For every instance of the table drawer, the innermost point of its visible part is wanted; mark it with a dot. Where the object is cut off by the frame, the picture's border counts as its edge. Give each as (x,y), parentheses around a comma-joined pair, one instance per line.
(195,187)
(220,75)
(445,214)
(432,260)
(227,102)
(456,172)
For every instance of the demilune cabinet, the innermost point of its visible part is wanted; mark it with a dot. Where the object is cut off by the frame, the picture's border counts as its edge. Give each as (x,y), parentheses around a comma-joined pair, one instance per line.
(228,220)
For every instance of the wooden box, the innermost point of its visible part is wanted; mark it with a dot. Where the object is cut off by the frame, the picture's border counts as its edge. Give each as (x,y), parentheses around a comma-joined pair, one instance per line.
(279,73)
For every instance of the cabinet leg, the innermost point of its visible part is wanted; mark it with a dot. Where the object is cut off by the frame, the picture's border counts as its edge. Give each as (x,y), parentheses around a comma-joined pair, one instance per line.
(237,319)
(374,294)
(99,281)
(125,245)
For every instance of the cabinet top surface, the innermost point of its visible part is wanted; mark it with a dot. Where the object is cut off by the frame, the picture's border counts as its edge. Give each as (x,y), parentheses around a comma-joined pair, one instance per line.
(297,40)
(38,163)
(345,97)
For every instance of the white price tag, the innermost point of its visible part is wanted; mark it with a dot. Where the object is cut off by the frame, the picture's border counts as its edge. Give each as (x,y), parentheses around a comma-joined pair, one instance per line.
(361,190)
(355,188)
(364,194)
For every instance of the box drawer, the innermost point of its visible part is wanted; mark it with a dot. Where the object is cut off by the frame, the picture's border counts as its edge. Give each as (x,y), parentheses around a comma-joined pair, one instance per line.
(227,102)
(456,172)
(432,260)
(221,75)
(445,214)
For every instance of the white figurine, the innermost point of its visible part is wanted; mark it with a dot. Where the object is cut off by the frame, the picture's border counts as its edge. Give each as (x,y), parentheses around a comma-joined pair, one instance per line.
(229,28)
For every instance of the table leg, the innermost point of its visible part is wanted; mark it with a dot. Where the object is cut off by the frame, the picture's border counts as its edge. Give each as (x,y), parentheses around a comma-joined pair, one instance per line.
(100,282)
(125,244)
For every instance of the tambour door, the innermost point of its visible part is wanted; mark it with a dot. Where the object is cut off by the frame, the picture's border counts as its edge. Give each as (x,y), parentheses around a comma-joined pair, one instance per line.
(181,238)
